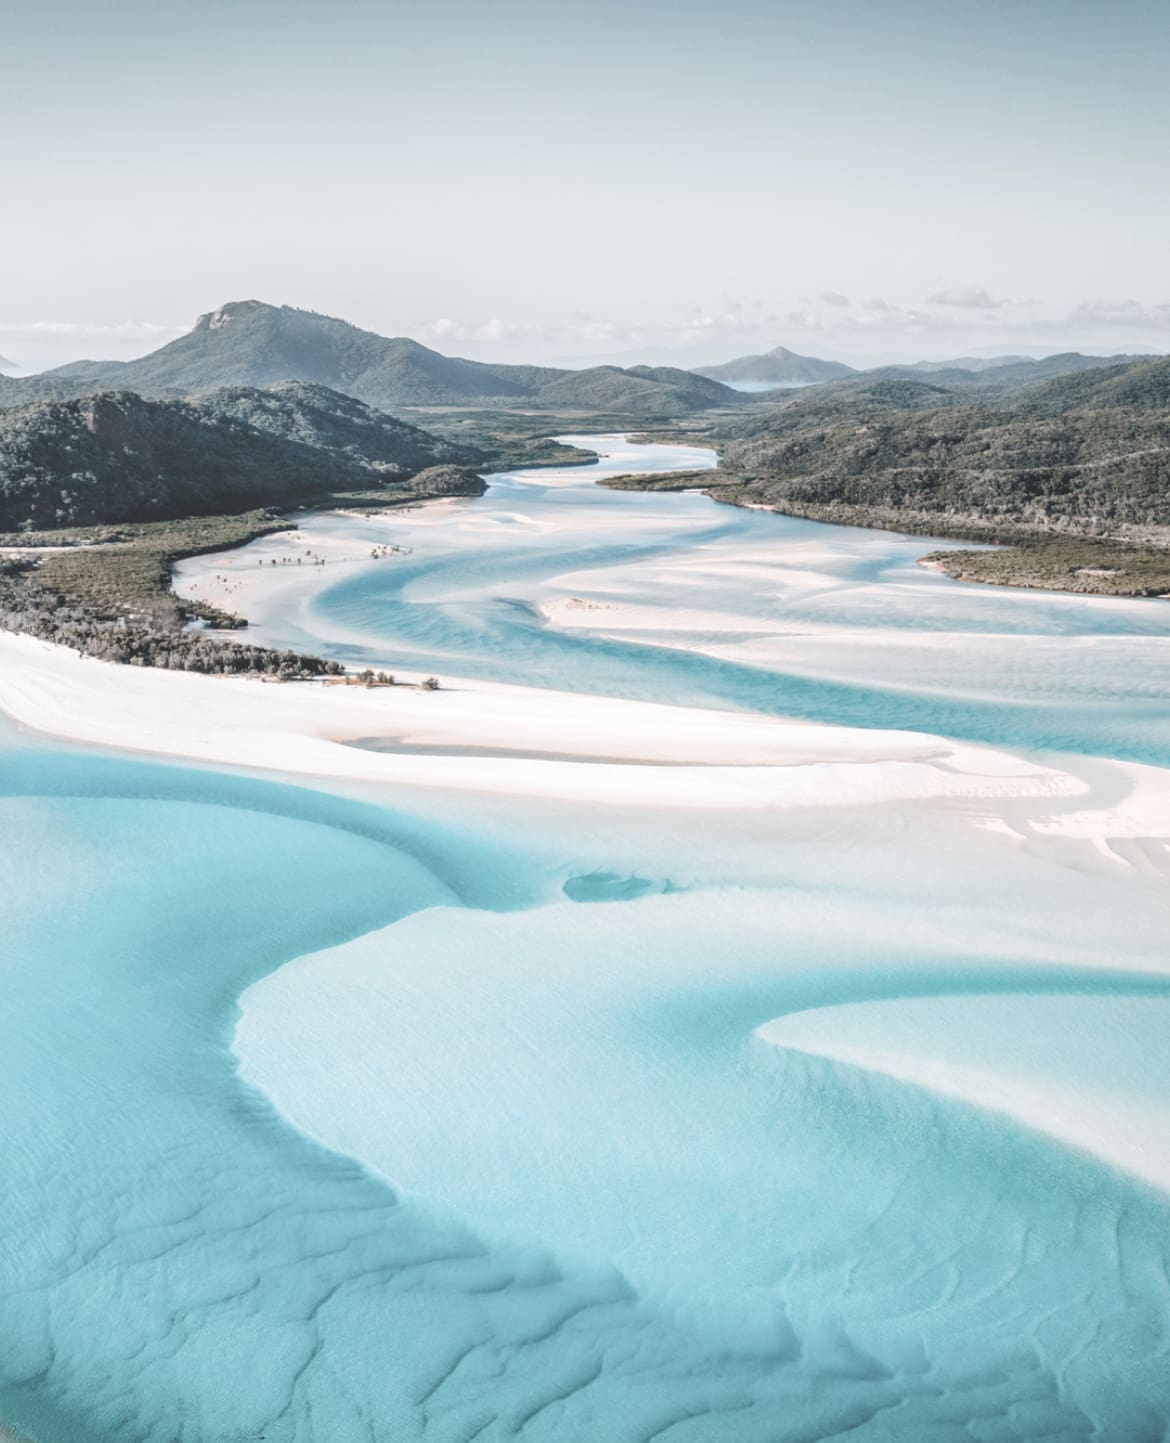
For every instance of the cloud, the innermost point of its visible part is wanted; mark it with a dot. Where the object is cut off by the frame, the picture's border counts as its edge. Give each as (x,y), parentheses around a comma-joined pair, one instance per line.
(446,328)
(42,343)
(99,330)
(696,333)
(973,298)
(806,320)
(834,298)
(1096,315)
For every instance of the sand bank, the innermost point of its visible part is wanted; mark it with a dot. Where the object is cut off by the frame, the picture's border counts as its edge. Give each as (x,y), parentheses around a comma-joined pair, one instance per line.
(736,759)
(1083,1069)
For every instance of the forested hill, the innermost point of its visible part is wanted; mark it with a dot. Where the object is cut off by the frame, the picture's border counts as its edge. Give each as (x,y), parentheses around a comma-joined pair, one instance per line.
(1084,451)
(114,456)
(980,378)
(779,367)
(253,344)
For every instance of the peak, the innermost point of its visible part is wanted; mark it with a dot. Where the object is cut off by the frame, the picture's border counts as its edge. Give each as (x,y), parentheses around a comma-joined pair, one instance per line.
(232,311)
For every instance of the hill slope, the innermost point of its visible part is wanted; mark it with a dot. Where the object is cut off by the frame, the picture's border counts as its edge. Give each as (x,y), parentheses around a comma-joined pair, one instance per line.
(1080,452)
(249,343)
(1007,374)
(113,456)
(778,367)
(784,368)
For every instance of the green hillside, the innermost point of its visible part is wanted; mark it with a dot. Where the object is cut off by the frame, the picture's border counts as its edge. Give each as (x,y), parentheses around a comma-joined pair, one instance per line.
(114,456)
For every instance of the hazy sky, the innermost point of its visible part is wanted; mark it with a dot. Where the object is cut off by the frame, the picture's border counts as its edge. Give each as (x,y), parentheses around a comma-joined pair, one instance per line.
(855,178)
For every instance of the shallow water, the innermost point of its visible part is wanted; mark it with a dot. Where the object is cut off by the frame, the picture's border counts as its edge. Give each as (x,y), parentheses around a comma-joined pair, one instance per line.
(592,1142)
(792,618)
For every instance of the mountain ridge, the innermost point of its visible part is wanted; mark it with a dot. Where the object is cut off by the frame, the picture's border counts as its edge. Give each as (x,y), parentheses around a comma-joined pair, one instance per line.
(784,368)
(779,366)
(256,344)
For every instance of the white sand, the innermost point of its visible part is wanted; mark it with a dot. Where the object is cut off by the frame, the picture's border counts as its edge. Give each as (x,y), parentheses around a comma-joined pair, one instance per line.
(579,613)
(1082,1069)
(1094,815)
(753,763)
(735,759)
(280,571)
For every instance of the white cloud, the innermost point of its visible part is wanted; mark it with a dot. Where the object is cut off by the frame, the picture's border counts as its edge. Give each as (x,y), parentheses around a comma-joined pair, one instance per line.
(40,344)
(834,298)
(121,330)
(447,329)
(1096,315)
(966,298)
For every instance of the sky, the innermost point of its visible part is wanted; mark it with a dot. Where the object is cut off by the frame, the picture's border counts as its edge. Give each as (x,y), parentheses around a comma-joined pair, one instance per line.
(869,180)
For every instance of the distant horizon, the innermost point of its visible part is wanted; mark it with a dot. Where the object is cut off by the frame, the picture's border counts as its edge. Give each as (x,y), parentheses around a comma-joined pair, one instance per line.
(52,346)
(520,182)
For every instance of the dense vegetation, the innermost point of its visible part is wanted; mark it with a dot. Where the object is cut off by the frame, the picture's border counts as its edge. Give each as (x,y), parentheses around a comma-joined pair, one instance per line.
(114,456)
(1083,453)
(248,343)
(151,635)
(510,440)
(125,574)
(1075,471)
(1064,563)
(106,589)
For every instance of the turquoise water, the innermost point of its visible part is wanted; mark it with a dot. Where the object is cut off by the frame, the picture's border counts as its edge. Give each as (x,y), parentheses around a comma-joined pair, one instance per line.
(564,1189)
(861,621)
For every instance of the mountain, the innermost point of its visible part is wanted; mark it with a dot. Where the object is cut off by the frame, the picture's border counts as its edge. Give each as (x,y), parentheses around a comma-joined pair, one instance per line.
(780,367)
(974,364)
(1005,372)
(115,456)
(325,420)
(1138,386)
(249,343)
(661,390)
(7,365)
(1065,363)
(1086,450)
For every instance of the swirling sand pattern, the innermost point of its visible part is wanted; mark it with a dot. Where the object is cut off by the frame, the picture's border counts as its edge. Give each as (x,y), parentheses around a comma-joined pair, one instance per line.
(586,1125)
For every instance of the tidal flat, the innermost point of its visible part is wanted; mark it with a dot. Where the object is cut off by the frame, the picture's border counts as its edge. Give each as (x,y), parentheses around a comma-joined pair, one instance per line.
(497,1080)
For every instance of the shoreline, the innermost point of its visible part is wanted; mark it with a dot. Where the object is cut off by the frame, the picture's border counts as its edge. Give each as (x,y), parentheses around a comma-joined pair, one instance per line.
(703,772)
(998,546)
(509,738)
(928,1042)
(479,739)
(1050,553)
(488,738)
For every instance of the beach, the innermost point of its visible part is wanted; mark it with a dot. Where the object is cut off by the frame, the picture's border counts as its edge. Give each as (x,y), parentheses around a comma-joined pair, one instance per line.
(741,951)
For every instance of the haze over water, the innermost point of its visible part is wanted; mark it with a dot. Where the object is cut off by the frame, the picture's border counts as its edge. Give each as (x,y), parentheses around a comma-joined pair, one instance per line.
(602,1120)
